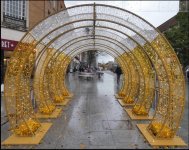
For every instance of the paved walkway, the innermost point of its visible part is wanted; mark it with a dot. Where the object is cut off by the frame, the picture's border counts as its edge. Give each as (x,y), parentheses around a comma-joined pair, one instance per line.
(93,119)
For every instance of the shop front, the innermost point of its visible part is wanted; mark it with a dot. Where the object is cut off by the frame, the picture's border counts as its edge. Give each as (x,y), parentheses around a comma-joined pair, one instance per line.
(7,47)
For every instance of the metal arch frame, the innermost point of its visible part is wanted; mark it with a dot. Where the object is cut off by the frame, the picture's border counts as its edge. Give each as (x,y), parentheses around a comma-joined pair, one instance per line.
(79,41)
(88,20)
(87,49)
(91,43)
(166,70)
(122,44)
(96,26)
(67,42)
(93,5)
(44,103)
(98,39)
(27,124)
(66,47)
(91,20)
(168,84)
(72,44)
(52,40)
(122,10)
(76,54)
(118,42)
(120,62)
(105,6)
(72,22)
(95,36)
(97,20)
(83,40)
(56,56)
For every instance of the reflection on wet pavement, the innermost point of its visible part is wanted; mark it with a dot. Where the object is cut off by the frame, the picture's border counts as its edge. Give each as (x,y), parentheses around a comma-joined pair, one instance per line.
(93,119)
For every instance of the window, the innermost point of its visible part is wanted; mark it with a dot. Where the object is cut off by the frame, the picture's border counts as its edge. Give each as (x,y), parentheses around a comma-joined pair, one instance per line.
(14,14)
(16,9)
(3,7)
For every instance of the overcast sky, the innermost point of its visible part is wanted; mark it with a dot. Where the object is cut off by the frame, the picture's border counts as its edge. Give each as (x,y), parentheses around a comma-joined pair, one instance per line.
(155,12)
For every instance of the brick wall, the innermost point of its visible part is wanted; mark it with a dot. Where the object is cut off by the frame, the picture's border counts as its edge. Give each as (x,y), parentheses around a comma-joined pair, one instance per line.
(36,12)
(40,9)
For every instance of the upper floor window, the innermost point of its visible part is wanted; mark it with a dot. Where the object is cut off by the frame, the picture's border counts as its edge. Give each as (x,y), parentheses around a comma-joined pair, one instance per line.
(15,9)
(14,14)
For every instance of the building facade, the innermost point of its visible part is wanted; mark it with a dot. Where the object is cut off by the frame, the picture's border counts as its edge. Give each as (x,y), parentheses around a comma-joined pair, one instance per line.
(17,17)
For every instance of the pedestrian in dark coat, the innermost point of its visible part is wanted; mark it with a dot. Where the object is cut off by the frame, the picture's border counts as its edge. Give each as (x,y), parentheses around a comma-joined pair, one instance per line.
(118,71)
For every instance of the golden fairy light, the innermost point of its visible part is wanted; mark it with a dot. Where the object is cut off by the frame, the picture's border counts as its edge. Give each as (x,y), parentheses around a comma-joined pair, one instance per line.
(149,60)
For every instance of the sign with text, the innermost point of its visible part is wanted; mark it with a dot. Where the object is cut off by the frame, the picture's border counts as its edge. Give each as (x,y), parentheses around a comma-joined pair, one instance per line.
(8,44)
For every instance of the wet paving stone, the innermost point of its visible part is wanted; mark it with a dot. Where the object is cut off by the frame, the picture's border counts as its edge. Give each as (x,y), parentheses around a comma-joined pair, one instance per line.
(93,119)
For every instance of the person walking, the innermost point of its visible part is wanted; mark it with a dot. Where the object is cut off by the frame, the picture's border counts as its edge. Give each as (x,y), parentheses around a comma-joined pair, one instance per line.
(118,71)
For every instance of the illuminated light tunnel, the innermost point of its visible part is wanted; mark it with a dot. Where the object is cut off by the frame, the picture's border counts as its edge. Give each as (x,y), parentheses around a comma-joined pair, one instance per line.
(149,63)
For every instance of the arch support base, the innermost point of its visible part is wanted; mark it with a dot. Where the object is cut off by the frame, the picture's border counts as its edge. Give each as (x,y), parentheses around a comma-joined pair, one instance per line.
(118,97)
(70,95)
(30,140)
(124,104)
(137,117)
(158,143)
(63,103)
(54,114)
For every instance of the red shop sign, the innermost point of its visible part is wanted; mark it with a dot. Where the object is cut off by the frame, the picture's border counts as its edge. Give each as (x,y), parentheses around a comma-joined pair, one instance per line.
(8,44)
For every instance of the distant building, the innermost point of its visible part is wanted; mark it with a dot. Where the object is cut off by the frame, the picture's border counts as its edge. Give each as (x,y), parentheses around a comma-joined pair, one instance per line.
(43,8)
(17,17)
(110,65)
